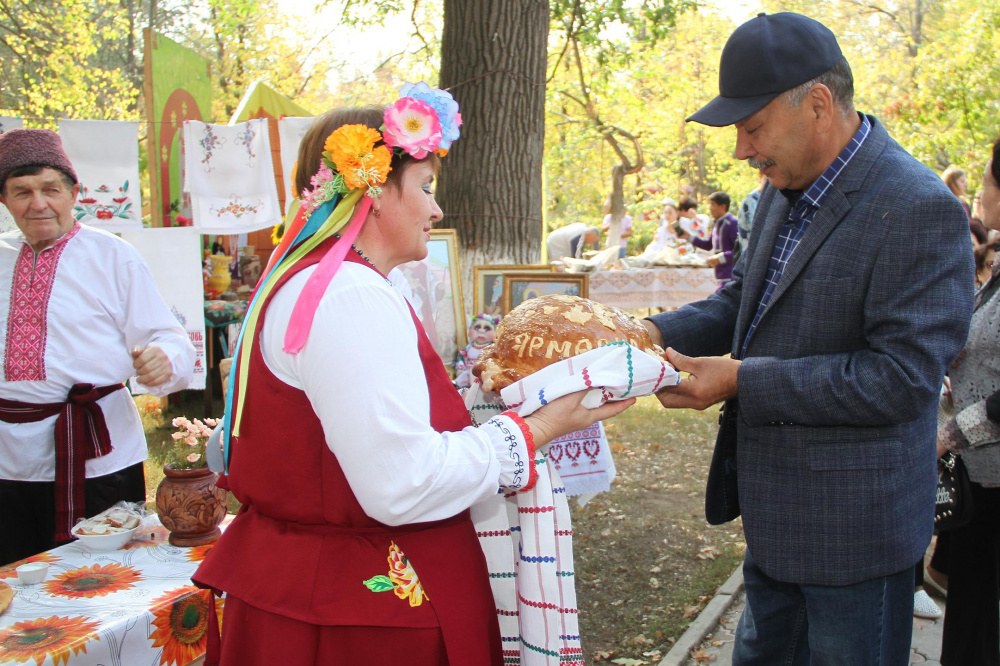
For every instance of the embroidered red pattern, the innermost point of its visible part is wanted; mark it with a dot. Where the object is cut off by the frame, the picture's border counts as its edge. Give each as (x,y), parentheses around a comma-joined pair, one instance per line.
(27,328)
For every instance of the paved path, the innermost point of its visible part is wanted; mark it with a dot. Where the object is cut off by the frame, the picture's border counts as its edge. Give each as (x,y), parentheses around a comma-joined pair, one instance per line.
(711,635)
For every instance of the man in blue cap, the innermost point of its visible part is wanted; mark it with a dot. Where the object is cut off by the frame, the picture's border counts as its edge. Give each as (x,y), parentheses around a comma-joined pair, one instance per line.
(828,348)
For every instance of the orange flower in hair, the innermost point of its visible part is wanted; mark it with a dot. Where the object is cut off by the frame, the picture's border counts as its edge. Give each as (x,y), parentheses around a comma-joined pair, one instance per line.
(354,155)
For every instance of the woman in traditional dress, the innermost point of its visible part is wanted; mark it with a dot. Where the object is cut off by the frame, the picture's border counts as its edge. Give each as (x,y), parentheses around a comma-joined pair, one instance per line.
(352,453)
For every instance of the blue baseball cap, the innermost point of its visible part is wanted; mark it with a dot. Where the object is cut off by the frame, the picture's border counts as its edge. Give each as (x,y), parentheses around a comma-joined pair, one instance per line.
(764,57)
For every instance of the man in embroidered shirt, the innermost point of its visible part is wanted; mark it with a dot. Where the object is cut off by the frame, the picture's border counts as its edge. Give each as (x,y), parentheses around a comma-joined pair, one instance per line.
(80,314)
(852,298)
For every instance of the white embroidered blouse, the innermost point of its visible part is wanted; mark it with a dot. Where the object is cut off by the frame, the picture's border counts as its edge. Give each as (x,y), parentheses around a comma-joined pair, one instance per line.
(71,314)
(361,371)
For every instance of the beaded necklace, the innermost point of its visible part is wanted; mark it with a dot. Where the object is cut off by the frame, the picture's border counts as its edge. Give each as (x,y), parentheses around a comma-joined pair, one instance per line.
(365,258)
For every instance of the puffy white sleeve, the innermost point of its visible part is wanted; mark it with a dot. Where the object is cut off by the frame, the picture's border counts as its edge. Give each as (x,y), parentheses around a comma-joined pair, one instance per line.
(361,371)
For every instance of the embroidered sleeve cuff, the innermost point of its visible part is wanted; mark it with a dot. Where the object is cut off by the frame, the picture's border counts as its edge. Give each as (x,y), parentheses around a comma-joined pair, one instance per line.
(515,449)
(976,427)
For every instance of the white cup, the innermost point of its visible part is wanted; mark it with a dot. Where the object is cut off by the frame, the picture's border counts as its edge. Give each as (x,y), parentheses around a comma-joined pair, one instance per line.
(32,573)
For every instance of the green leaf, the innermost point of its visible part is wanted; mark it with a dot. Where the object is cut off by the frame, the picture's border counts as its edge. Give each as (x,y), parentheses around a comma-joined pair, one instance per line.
(380,584)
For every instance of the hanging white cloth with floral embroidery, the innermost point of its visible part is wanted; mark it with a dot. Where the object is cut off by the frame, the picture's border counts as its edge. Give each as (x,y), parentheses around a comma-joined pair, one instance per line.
(290,133)
(229,174)
(105,154)
(174,258)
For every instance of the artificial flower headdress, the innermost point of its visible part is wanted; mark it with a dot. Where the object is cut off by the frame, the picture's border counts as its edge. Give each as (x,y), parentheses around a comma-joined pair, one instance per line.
(423,120)
(355,164)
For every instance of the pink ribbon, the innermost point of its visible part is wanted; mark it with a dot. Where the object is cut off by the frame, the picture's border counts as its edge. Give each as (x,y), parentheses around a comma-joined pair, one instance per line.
(305,307)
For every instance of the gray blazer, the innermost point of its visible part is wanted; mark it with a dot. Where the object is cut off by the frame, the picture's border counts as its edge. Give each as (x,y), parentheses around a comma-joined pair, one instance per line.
(829,449)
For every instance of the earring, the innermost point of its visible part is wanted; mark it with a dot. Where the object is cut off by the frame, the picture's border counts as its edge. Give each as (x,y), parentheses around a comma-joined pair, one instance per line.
(377,212)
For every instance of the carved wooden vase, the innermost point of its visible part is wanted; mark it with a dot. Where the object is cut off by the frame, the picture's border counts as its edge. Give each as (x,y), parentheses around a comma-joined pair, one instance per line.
(190,505)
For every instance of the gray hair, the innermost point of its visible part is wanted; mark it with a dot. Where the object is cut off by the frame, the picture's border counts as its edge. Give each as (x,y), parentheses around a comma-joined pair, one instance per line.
(838,79)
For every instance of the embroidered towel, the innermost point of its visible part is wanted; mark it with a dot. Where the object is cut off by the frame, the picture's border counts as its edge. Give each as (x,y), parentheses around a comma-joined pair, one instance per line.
(173,257)
(105,154)
(527,539)
(290,133)
(615,371)
(230,176)
(583,461)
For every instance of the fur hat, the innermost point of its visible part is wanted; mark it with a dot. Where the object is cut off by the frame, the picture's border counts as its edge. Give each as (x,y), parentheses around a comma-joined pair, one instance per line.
(32,147)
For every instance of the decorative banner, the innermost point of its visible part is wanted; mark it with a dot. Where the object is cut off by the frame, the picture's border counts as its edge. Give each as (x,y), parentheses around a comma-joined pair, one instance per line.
(290,133)
(8,123)
(178,87)
(105,154)
(174,258)
(230,176)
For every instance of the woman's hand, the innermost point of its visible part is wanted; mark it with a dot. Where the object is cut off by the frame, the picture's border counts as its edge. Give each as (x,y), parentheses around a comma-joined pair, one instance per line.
(565,415)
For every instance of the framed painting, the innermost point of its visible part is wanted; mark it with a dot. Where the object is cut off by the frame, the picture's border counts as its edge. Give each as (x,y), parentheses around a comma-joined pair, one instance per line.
(433,287)
(519,287)
(488,281)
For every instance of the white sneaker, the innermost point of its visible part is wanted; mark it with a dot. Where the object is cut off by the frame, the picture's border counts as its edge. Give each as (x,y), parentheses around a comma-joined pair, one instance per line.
(924,606)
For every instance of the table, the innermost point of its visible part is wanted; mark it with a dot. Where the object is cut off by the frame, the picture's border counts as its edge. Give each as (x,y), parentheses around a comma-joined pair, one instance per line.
(117,608)
(666,287)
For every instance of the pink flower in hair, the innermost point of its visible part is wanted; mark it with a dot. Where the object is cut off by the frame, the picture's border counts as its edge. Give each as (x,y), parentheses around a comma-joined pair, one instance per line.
(412,125)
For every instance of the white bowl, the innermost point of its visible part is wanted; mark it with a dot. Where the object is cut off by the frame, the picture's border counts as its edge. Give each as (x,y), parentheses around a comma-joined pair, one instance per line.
(111,541)
(32,573)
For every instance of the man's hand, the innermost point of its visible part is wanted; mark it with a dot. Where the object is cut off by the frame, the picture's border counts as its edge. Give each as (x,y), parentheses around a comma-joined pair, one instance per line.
(710,379)
(712,261)
(565,415)
(152,367)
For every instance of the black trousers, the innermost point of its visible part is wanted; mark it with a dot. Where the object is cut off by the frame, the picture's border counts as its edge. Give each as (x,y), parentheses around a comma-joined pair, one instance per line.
(970,556)
(28,509)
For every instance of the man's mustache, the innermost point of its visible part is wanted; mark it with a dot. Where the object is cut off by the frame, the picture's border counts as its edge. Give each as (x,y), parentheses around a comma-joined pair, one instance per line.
(759,164)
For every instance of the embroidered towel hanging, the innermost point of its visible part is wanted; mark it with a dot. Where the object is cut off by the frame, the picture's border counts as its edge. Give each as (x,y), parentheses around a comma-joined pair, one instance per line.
(290,133)
(105,154)
(174,258)
(230,176)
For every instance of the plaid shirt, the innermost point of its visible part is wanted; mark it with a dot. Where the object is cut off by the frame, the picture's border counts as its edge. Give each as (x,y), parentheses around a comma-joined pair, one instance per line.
(798,221)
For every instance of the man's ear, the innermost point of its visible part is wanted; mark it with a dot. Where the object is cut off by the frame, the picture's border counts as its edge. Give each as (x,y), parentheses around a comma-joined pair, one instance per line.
(820,101)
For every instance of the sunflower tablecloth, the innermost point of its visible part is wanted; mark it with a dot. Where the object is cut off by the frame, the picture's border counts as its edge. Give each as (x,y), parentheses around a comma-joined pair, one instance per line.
(119,608)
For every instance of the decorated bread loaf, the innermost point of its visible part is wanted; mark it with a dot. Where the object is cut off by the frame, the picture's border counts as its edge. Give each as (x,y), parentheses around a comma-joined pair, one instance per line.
(548,329)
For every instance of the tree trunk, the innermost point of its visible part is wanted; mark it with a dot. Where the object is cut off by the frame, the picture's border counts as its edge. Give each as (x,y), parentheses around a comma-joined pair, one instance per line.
(493,58)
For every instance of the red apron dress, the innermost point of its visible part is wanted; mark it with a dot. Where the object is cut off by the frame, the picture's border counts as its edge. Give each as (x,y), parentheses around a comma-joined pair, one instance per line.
(303,548)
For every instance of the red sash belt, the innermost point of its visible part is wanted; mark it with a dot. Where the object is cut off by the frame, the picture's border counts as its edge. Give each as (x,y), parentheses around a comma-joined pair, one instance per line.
(81,434)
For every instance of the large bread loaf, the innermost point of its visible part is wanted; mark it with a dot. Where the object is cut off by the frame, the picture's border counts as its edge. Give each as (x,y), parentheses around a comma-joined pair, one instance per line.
(548,329)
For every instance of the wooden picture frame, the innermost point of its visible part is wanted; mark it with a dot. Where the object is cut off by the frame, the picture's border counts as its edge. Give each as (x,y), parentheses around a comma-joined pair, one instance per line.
(435,292)
(487,285)
(519,287)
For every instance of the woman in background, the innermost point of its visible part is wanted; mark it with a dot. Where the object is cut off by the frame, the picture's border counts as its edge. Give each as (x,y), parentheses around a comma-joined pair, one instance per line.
(970,555)
(957,182)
